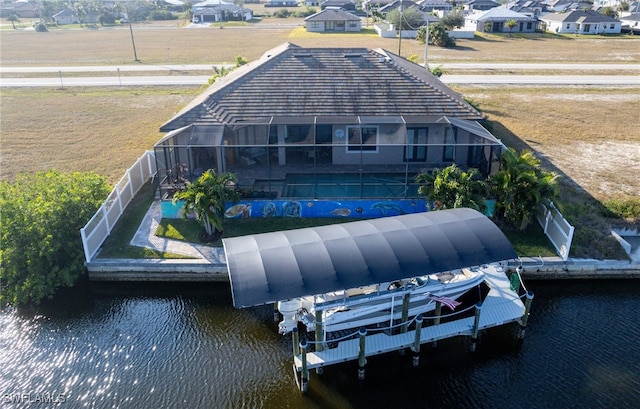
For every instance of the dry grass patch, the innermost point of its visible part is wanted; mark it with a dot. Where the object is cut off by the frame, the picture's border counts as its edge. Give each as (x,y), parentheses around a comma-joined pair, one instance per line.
(168,44)
(587,134)
(83,129)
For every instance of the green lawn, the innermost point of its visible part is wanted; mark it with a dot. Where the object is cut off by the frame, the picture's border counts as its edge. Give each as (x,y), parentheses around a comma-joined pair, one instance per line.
(531,242)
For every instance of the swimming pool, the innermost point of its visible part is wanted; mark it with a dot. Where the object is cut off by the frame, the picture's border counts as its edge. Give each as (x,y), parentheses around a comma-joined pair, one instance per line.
(350,185)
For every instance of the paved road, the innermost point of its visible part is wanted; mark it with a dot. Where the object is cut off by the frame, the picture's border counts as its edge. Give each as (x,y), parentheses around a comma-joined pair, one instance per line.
(183,77)
(203,67)
(201,80)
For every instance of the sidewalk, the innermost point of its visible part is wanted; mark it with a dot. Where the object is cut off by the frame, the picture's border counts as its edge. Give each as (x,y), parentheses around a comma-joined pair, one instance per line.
(145,237)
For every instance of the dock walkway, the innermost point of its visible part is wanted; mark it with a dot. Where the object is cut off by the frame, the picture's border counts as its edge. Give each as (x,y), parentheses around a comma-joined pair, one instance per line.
(500,306)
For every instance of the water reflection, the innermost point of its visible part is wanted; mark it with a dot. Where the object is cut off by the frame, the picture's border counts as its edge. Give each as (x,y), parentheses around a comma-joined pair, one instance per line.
(166,345)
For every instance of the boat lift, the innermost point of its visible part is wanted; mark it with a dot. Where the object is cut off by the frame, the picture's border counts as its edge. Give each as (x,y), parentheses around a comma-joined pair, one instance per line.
(271,267)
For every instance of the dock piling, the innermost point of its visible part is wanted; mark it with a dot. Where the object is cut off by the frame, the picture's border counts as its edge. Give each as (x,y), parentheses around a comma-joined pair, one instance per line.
(525,316)
(436,319)
(476,323)
(362,360)
(416,341)
(304,375)
(295,341)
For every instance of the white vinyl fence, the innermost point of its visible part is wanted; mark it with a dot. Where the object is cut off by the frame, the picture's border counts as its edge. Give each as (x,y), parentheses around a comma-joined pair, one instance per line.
(557,229)
(96,231)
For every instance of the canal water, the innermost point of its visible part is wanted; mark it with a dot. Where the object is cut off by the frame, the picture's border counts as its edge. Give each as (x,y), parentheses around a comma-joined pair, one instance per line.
(184,346)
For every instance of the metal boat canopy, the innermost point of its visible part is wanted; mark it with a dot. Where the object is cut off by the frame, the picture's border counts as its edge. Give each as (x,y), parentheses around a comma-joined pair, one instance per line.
(269,267)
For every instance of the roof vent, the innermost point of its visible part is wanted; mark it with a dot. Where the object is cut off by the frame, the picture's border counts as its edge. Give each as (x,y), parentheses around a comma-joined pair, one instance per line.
(352,55)
(301,55)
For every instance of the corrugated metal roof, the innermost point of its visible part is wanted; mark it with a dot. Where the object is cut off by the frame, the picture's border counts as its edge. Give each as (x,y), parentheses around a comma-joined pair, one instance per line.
(269,267)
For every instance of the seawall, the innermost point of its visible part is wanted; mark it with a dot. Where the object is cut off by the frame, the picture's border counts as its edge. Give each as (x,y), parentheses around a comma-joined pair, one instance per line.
(195,270)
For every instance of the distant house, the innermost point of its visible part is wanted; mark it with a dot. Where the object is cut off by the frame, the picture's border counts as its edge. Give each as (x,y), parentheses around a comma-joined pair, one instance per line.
(495,20)
(331,20)
(281,3)
(346,5)
(531,8)
(406,5)
(219,10)
(66,16)
(581,22)
(22,9)
(429,6)
(369,5)
(631,23)
(560,6)
(480,5)
(298,112)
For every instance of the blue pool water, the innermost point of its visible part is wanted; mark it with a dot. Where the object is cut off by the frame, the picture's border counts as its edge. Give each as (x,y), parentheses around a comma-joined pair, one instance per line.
(350,185)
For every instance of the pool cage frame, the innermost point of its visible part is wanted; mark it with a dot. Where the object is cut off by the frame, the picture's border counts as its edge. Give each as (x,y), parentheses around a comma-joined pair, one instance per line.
(262,153)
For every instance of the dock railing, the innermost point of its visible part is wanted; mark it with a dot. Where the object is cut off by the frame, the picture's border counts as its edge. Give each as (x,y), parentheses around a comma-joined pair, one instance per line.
(96,231)
(556,228)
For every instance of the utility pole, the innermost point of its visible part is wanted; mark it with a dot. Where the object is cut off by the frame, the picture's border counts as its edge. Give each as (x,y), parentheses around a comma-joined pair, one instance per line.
(400,29)
(133,43)
(426,45)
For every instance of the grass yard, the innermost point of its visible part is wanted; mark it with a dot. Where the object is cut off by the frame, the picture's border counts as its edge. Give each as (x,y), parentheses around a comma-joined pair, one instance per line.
(83,129)
(586,134)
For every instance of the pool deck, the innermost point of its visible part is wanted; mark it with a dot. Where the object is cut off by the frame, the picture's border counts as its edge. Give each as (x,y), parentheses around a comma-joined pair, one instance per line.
(209,263)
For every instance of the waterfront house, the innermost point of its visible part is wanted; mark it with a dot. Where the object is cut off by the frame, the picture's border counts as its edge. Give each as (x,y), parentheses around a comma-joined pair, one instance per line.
(346,112)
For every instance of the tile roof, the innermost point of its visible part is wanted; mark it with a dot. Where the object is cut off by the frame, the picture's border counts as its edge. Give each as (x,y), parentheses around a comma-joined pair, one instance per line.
(330,14)
(293,81)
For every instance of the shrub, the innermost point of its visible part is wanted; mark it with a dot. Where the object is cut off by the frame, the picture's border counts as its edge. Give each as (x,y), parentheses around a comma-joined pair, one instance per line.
(282,13)
(158,15)
(40,245)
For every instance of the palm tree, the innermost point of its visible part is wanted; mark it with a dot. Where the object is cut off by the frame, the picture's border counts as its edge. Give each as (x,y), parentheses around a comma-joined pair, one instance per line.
(451,187)
(13,18)
(511,25)
(206,197)
(520,186)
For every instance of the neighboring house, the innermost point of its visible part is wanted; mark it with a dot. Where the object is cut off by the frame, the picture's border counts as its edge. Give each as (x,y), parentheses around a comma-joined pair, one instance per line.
(344,111)
(581,22)
(332,20)
(219,10)
(346,5)
(480,5)
(65,16)
(495,20)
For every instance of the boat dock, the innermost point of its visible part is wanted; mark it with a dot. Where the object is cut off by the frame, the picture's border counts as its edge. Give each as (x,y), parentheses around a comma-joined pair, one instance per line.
(501,306)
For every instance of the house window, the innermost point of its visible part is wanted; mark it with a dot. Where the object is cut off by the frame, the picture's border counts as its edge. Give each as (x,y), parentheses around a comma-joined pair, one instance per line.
(568,26)
(353,24)
(416,150)
(449,151)
(362,139)
(314,24)
(529,25)
(612,26)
